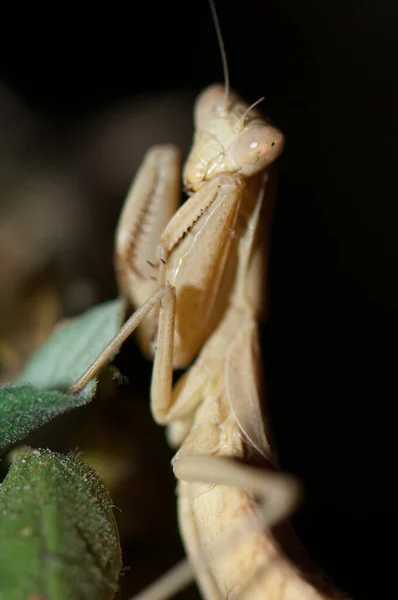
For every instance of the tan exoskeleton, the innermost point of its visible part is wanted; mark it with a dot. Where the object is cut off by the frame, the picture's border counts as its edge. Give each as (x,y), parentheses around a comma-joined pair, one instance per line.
(196,275)
(207,271)
(187,260)
(226,507)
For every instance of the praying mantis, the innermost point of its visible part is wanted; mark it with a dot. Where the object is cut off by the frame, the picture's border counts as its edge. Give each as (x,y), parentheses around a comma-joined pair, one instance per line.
(194,276)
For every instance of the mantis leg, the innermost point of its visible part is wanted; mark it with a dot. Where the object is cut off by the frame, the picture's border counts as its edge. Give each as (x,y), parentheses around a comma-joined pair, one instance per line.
(279,494)
(150,204)
(166,295)
(171,583)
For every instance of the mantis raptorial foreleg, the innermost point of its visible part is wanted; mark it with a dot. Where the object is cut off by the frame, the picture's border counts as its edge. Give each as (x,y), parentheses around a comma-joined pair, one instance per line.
(247,290)
(193,253)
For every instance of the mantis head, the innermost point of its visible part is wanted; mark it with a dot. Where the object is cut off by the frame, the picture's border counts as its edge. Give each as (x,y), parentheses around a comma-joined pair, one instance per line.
(230,137)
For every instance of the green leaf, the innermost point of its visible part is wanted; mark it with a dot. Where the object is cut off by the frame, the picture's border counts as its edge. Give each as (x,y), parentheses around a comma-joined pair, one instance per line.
(24,408)
(36,398)
(58,535)
(71,349)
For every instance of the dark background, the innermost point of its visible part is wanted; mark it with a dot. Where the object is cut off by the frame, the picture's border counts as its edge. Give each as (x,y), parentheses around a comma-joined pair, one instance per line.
(328,72)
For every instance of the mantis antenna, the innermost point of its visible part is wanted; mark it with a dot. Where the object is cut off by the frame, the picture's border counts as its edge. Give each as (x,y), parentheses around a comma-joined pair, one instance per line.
(241,121)
(222,51)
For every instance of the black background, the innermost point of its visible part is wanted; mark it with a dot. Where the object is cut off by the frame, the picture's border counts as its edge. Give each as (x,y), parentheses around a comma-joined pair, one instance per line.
(328,72)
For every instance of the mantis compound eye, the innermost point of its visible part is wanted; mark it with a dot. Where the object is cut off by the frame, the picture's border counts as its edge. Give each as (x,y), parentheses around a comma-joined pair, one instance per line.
(256,148)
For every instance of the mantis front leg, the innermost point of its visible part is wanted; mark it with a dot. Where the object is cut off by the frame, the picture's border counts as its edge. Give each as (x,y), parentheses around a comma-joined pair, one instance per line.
(189,277)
